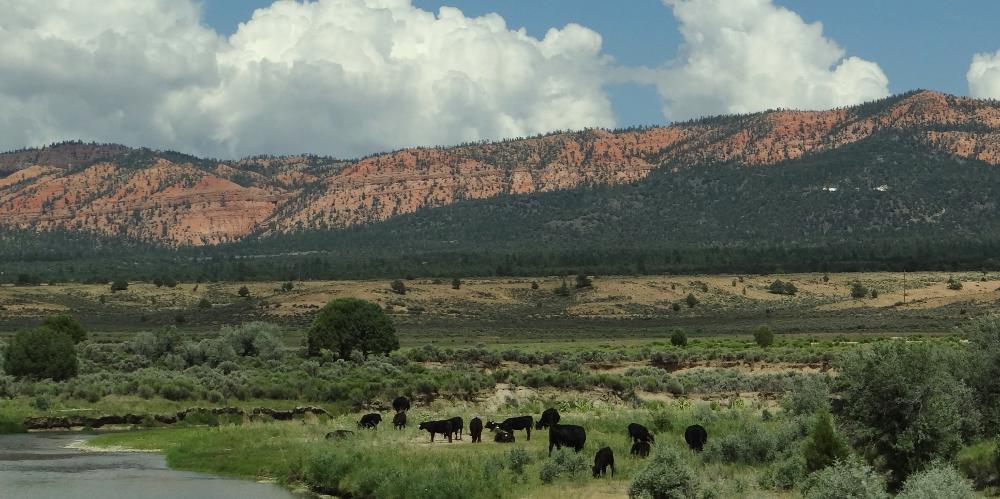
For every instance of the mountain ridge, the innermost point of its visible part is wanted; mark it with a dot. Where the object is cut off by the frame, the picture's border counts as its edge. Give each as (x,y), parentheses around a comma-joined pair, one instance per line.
(174,199)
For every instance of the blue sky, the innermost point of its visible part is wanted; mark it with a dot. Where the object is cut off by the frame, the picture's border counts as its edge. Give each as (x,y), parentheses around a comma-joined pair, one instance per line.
(917,43)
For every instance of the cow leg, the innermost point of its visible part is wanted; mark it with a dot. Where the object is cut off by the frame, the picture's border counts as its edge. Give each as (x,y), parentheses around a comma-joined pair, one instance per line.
(528,429)
(432,437)
(449,438)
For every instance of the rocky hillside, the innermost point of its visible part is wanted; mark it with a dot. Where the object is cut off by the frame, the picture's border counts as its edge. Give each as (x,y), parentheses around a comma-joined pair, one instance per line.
(174,199)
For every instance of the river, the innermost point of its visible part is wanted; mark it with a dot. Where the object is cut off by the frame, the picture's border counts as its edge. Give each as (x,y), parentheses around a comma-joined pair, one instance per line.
(40,466)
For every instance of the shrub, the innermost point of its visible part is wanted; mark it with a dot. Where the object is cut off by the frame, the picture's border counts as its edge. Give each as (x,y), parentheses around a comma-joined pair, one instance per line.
(981,462)
(398,287)
(953,284)
(903,402)
(666,476)
(874,293)
(691,300)
(940,481)
(982,367)
(850,478)
(754,442)
(564,463)
(858,291)
(204,303)
(517,459)
(678,339)
(676,307)
(780,287)
(41,403)
(785,474)
(456,283)
(41,353)
(287,286)
(534,285)
(562,290)
(243,292)
(347,324)
(583,281)
(824,446)
(763,336)
(65,324)
(119,285)
(806,396)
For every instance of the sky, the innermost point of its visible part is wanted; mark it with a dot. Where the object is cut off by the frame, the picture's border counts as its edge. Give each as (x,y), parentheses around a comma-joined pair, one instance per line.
(229,78)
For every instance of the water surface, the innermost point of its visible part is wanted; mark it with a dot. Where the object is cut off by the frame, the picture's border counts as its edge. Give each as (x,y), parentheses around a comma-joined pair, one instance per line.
(39,466)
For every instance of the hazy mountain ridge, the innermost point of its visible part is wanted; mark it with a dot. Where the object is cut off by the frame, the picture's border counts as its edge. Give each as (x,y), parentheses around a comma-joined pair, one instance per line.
(175,199)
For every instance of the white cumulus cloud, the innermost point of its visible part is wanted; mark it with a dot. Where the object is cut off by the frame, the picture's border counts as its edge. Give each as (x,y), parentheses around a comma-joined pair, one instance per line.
(749,55)
(341,77)
(984,76)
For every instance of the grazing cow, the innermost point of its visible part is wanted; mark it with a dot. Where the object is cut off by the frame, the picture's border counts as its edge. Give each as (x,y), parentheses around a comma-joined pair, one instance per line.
(503,437)
(516,423)
(696,436)
(399,420)
(401,404)
(339,434)
(640,449)
(443,427)
(639,433)
(602,460)
(567,435)
(370,421)
(476,429)
(549,417)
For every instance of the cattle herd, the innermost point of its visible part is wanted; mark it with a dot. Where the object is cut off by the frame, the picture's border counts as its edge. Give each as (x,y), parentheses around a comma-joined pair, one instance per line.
(560,435)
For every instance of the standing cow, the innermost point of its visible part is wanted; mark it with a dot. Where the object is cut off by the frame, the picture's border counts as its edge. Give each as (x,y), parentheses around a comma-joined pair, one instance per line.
(370,421)
(457,425)
(640,449)
(401,404)
(516,423)
(549,417)
(476,429)
(696,436)
(433,427)
(639,433)
(567,435)
(399,420)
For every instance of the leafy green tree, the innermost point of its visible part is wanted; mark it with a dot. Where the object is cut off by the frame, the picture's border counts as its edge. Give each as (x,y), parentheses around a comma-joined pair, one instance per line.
(981,369)
(347,324)
(66,324)
(41,353)
(563,289)
(904,403)
(398,287)
(119,285)
(678,339)
(583,281)
(824,446)
(243,292)
(763,336)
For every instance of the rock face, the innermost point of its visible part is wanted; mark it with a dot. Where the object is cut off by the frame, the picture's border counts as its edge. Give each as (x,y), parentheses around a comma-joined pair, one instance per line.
(179,200)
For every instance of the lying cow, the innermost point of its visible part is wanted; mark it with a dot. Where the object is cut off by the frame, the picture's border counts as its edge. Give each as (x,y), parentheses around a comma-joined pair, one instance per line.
(370,421)
(696,436)
(604,458)
(639,433)
(503,437)
(567,435)
(549,417)
(338,434)
(516,423)
(399,420)
(640,449)
(443,427)
(476,429)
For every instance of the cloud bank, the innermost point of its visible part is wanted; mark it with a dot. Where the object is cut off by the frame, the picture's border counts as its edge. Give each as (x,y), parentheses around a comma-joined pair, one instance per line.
(351,77)
(750,55)
(984,76)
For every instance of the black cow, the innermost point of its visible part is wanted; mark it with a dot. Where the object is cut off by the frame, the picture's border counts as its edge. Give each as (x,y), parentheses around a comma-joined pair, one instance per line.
(370,421)
(443,427)
(640,449)
(567,435)
(399,420)
(696,436)
(639,433)
(602,460)
(515,423)
(401,404)
(457,425)
(476,429)
(339,434)
(503,437)
(549,417)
